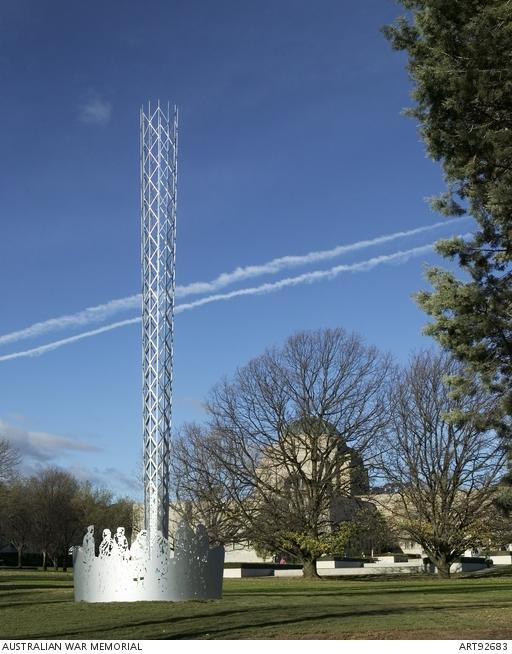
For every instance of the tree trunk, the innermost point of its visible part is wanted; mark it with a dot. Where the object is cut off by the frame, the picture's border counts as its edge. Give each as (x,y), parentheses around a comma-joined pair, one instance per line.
(443,568)
(309,570)
(65,563)
(19,555)
(45,562)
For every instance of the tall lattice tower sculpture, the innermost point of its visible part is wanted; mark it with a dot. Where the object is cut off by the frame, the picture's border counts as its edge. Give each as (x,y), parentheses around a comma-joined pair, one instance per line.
(159,149)
(151,569)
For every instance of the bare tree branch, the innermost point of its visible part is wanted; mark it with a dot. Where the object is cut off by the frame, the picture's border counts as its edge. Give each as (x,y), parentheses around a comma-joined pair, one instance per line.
(442,460)
(288,440)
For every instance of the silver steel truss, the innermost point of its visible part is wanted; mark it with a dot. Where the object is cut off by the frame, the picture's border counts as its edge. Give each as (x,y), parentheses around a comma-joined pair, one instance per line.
(159,146)
(193,570)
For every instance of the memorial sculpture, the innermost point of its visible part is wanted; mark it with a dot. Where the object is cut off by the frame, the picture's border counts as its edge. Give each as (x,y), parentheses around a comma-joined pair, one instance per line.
(150,569)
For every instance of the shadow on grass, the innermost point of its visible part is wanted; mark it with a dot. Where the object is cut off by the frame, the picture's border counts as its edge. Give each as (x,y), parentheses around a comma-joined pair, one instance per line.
(17,605)
(4,588)
(251,609)
(417,590)
(267,623)
(170,620)
(251,619)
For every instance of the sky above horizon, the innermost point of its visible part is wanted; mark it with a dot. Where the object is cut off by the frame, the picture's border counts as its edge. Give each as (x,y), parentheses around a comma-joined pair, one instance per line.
(291,142)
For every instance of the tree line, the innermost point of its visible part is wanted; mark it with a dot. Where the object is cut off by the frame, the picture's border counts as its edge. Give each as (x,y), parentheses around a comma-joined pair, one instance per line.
(48,512)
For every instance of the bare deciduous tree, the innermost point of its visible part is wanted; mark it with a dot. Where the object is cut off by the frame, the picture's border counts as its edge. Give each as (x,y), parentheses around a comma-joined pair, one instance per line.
(442,460)
(9,460)
(204,488)
(291,432)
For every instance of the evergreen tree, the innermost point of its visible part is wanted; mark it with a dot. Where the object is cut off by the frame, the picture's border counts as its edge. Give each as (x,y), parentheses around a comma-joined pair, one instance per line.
(460,61)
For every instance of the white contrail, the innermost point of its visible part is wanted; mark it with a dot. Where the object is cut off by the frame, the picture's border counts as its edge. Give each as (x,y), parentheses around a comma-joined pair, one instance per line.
(42,349)
(282,263)
(79,319)
(307,278)
(102,312)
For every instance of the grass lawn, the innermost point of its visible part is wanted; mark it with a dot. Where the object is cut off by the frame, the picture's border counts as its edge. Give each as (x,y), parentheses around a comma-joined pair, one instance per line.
(40,605)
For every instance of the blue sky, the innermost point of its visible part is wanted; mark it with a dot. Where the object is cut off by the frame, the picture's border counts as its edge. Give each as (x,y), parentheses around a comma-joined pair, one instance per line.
(291,141)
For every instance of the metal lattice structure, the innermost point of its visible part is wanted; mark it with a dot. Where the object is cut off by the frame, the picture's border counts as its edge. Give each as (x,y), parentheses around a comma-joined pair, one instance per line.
(159,146)
(149,569)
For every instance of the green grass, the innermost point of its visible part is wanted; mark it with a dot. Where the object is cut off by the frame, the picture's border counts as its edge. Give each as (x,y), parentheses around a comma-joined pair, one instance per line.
(40,605)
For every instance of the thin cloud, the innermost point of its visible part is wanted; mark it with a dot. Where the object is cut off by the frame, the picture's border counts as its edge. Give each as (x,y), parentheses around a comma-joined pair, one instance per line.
(110,478)
(400,257)
(41,447)
(101,312)
(95,111)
